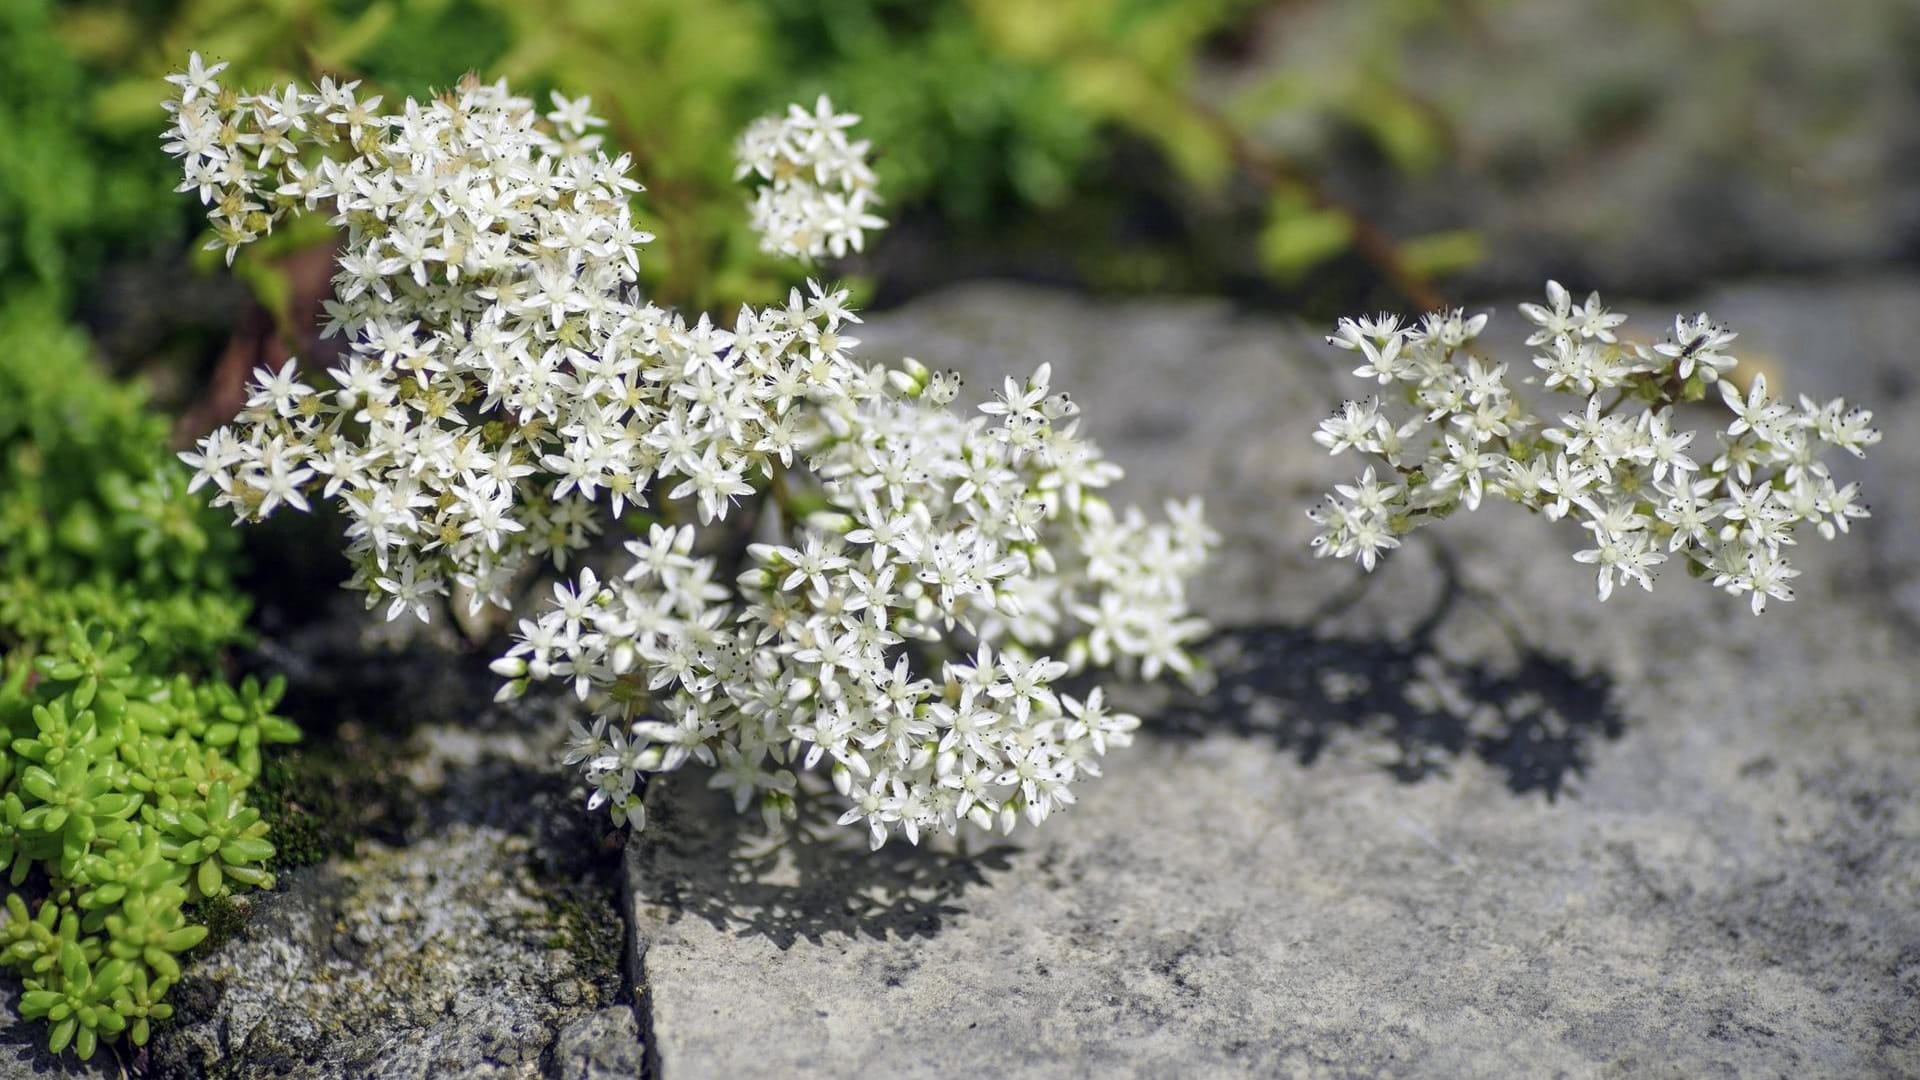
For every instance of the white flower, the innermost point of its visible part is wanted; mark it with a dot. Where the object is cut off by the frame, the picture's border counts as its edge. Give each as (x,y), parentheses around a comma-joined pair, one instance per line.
(1616,464)
(1690,511)
(198,81)
(1697,344)
(1596,322)
(1351,427)
(410,591)
(1555,320)
(1367,537)
(1756,413)
(1661,446)
(1839,505)
(1761,572)
(278,479)
(1628,555)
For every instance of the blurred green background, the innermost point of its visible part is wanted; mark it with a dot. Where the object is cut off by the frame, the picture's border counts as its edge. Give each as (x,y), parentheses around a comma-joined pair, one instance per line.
(1313,155)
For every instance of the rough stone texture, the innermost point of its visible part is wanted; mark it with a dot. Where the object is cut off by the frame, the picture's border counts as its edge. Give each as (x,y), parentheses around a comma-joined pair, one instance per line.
(440,958)
(1457,819)
(465,940)
(600,1046)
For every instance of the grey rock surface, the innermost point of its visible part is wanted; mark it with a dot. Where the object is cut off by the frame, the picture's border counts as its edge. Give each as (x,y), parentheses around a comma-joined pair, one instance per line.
(603,1045)
(442,958)
(1455,819)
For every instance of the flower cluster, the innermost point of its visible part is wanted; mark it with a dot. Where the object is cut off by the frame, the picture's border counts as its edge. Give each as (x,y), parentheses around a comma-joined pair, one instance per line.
(817,191)
(923,524)
(508,394)
(482,289)
(1618,464)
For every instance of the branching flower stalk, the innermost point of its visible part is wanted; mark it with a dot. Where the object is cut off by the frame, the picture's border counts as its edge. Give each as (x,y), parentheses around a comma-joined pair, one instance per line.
(1447,431)
(917,580)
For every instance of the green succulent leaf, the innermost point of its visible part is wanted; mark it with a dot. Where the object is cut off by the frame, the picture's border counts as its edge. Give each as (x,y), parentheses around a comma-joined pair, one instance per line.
(119,737)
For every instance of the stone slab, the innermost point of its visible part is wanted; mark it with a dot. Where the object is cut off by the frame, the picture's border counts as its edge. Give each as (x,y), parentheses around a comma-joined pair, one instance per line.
(1458,819)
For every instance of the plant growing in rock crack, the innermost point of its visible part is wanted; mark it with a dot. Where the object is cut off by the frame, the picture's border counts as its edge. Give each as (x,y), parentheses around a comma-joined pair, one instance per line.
(125,760)
(833,569)
(1619,464)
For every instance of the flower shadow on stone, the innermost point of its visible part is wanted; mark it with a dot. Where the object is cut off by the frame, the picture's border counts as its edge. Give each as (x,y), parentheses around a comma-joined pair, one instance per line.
(705,861)
(1534,718)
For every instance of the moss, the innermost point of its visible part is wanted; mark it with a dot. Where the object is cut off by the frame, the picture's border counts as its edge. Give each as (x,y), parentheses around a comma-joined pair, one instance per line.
(307,814)
(223,916)
(594,933)
(322,799)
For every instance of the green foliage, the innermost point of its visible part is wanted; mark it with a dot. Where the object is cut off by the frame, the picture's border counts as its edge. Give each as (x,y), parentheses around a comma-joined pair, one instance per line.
(1126,64)
(69,189)
(1442,253)
(96,526)
(1300,236)
(125,762)
(123,802)
(989,113)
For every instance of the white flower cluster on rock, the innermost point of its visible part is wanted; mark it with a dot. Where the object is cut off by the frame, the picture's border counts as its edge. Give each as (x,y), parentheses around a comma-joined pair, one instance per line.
(1620,464)
(877,586)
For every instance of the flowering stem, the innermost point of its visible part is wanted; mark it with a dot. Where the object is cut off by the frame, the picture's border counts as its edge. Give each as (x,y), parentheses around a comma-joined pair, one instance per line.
(782,500)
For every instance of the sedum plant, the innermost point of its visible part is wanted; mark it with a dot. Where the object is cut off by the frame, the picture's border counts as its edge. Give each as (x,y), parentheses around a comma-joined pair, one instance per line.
(834,570)
(125,761)
(1450,432)
(96,524)
(124,803)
